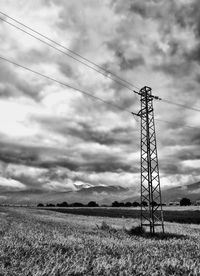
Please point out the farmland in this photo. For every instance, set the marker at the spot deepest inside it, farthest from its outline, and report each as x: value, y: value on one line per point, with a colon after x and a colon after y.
x: 189, y: 214
x: 45, y: 243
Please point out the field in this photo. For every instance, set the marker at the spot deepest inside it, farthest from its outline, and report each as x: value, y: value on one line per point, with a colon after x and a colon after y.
x: 46, y: 243
x: 190, y: 214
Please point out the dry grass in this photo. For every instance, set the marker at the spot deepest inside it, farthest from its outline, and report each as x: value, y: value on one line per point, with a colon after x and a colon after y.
x: 39, y: 242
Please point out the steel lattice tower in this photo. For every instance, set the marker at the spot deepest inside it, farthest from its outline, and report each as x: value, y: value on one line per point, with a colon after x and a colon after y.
x: 151, y: 202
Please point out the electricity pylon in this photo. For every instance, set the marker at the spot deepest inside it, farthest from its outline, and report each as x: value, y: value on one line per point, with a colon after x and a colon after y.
x: 151, y: 201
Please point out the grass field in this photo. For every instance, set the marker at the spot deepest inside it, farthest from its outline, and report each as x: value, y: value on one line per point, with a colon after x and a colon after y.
x: 189, y: 214
x: 45, y: 243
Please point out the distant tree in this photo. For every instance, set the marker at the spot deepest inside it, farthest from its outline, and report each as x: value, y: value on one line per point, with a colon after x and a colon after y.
x: 144, y: 203
x: 93, y: 204
x: 185, y: 202
x: 77, y: 204
x: 121, y: 204
x: 50, y: 205
x: 128, y: 204
x: 63, y: 204
x: 115, y: 204
x: 135, y: 204
x: 40, y: 205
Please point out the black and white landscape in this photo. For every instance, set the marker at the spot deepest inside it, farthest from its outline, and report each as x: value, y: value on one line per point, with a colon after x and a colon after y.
x: 70, y: 74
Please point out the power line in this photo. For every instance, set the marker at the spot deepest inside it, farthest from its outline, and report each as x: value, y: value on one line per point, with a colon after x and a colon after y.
x: 106, y: 73
x: 66, y: 48
x: 181, y: 105
x: 65, y: 84
x: 176, y: 124
x: 84, y: 92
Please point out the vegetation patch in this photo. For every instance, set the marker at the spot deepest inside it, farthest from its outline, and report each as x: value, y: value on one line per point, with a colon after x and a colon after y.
x: 191, y: 216
x: 40, y: 242
x: 136, y: 231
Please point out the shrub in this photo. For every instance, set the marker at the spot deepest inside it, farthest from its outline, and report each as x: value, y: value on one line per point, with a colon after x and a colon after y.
x: 77, y: 204
x: 115, y: 204
x: 50, y: 205
x: 63, y: 204
x: 185, y: 202
x: 104, y: 226
x: 93, y: 204
x: 128, y: 204
x: 136, y: 231
x: 135, y: 204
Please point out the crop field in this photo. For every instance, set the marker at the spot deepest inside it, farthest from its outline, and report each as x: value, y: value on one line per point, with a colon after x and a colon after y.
x: 46, y: 243
x: 189, y: 214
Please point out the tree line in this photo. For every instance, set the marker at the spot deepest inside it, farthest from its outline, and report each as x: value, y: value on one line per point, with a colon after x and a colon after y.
x: 183, y: 202
x: 91, y: 204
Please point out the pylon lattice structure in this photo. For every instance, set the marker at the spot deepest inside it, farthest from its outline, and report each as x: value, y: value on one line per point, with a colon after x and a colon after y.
x: 151, y: 201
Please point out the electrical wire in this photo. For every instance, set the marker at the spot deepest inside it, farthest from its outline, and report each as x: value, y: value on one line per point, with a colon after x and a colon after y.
x: 181, y: 105
x: 71, y: 51
x: 176, y: 124
x: 84, y: 92
x: 65, y: 84
x: 106, y: 73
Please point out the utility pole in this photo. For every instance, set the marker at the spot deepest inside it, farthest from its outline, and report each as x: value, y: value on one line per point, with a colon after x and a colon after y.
x: 151, y: 201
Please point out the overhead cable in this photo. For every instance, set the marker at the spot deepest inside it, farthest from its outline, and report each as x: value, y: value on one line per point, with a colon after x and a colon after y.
x: 105, y: 72
x: 83, y: 91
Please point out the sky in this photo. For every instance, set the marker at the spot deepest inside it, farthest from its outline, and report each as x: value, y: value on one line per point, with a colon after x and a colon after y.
x: 56, y: 142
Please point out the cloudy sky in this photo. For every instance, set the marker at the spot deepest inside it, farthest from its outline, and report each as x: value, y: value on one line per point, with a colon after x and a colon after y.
x: 55, y: 141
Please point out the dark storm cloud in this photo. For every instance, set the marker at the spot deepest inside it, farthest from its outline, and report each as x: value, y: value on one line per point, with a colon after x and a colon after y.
x: 180, y: 135
x: 178, y: 13
x: 66, y: 69
x: 128, y: 63
x: 13, y: 153
x: 173, y: 19
x: 90, y: 161
x: 189, y: 154
x: 87, y: 132
x: 79, y: 143
x: 14, y: 86
x: 195, y: 138
x: 35, y: 56
x: 175, y: 68
x: 169, y: 168
x: 107, y: 164
x: 31, y: 182
x: 177, y: 167
x: 93, y: 160
x: 193, y: 17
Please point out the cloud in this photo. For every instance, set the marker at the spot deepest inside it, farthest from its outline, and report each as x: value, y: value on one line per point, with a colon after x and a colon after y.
x: 11, y: 184
x: 54, y: 140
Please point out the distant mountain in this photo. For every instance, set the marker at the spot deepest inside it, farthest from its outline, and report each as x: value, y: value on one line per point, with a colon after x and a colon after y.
x: 102, y: 189
x: 102, y: 194
x: 192, y: 191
